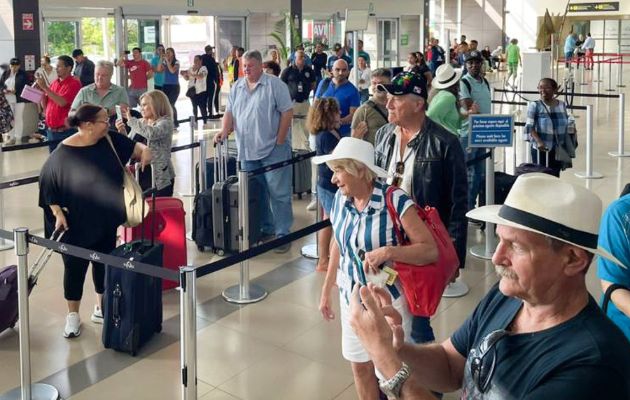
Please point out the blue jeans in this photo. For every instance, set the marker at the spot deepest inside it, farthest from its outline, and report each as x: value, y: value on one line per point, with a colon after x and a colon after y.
x: 50, y: 135
x: 475, y: 173
x: 276, y: 212
x: 421, y: 331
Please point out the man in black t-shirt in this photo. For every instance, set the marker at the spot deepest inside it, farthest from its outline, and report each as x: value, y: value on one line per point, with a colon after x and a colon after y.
x: 538, y: 334
x: 300, y: 79
x: 319, y: 59
x: 212, y: 80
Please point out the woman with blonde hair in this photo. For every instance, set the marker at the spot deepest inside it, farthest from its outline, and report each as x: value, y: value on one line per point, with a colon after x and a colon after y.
x: 365, y: 243
x: 323, y: 121
x: 156, y: 126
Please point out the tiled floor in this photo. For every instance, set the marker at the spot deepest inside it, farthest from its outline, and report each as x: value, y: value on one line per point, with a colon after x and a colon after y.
x: 277, y: 349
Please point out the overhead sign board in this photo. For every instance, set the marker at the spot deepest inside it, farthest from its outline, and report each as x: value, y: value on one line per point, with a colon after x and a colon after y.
x: 594, y: 7
x: 490, y: 130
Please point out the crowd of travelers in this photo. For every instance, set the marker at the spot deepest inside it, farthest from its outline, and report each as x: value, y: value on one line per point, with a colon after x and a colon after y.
x: 385, y: 144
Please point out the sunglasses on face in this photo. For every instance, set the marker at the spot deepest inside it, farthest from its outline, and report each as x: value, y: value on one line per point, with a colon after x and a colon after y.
x: 483, y: 364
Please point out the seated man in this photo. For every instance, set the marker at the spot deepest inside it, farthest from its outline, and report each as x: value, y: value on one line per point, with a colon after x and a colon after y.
x: 538, y: 334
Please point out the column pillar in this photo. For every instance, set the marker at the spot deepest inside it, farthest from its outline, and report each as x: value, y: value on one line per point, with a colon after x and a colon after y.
x: 26, y: 30
x: 424, y: 30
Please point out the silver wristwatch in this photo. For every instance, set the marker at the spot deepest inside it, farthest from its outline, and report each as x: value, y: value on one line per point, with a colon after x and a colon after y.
x: 391, y: 387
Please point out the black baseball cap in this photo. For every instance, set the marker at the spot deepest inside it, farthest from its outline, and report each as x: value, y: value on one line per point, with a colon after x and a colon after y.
x: 474, y: 55
x: 406, y: 83
x: 14, y: 61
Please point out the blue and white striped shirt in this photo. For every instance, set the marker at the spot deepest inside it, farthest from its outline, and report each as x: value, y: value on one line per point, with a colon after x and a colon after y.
x: 545, y: 120
x: 365, y: 230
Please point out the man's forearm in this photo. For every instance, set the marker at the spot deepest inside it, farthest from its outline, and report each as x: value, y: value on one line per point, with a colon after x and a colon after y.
x: 430, y: 368
x: 227, y: 124
x: 285, y: 123
x: 59, y: 100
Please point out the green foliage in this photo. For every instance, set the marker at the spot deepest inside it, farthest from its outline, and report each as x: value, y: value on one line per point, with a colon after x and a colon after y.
x: 280, y: 32
x: 61, y: 37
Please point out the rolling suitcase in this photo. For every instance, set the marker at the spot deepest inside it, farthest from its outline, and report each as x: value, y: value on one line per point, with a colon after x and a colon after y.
x: 301, y: 175
x: 170, y: 230
x: 9, y: 286
x: 210, y: 175
x: 526, y: 168
x: 132, y: 302
x: 225, y: 210
x: 202, y: 220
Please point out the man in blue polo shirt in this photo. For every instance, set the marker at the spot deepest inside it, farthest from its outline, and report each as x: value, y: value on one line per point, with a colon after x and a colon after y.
x: 339, y: 54
x: 345, y: 92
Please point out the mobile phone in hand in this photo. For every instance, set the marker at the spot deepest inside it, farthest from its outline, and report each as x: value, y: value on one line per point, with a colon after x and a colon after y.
x: 119, y: 112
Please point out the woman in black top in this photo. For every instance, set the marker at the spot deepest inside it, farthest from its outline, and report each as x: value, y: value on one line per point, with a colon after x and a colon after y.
x: 81, y: 192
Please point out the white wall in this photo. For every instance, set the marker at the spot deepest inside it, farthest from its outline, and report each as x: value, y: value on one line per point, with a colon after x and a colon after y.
x: 481, y: 20
x: 260, y: 26
x: 409, y: 25
x: 7, y: 37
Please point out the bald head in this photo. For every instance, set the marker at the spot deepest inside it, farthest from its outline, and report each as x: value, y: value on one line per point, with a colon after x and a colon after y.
x: 340, y: 71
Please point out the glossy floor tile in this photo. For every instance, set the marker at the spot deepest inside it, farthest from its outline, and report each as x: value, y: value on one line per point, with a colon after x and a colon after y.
x: 277, y: 349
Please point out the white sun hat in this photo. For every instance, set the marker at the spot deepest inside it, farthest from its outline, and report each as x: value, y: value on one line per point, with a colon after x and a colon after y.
x: 353, y: 149
x: 446, y: 76
x: 544, y: 204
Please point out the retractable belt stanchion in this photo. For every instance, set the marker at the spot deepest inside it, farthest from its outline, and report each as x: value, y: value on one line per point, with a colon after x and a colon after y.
x: 188, y: 331
x: 191, y: 194
x: 620, y: 73
x: 621, y: 134
x: 4, y: 244
x: 598, y: 62
x: 26, y: 391
x: 610, y: 88
x: 486, y: 250
x: 589, y: 173
x: 312, y: 250
x: 244, y: 292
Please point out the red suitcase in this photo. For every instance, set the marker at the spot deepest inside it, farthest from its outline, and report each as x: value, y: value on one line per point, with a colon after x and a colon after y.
x: 170, y: 230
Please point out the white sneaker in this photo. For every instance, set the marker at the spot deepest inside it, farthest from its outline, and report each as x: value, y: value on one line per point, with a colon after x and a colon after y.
x: 73, y: 325
x: 97, y: 315
x: 312, y: 206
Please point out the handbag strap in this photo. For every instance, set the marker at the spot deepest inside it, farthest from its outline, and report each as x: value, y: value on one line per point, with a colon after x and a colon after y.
x: 389, y: 201
x: 608, y: 295
x: 109, y: 140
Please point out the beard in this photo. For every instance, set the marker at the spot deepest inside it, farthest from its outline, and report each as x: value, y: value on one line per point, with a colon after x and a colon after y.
x: 505, y: 272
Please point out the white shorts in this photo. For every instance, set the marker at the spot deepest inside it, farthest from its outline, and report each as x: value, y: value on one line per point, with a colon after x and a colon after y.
x: 351, y: 348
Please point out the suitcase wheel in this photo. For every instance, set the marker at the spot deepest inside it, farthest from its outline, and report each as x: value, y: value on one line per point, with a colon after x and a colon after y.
x: 200, y: 248
x: 299, y: 195
x: 220, y: 252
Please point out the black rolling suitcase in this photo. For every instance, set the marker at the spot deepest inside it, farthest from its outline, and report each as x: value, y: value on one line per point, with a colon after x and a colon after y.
x: 210, y: 174
x: 202, y: 220
x: 225, y: 210
x: 526, y: 168
x: 301, y: 175
x: 132, y: 302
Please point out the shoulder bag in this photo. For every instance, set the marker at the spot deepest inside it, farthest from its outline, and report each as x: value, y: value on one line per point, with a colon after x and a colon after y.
x: 424, y: 284
x: 134, y: 207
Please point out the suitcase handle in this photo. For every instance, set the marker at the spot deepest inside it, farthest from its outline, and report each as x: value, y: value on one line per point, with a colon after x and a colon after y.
x: 117, y: 294
x: 43, y: 257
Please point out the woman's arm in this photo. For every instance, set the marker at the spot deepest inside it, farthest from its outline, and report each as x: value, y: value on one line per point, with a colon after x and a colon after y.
x: 60, y: 217
x: 421, y: 251
x: 330, y: 281
x: 143, y: 153
x: 173, y: 67
x: 621, y: 297
x: 162, y: 129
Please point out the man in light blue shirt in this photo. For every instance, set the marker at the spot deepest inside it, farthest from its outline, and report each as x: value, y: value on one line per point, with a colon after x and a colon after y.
x: 569, y: 48
x: 259, y: 112
x: 614, y: 236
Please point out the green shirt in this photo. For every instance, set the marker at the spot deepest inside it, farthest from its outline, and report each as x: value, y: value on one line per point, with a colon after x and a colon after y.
x: 444, y: 110
x: 513, y: 54
x: 116, y: 95
x: 374, y: 119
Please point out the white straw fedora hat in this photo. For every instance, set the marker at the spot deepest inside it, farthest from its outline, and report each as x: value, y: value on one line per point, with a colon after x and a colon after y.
x: 545, y: 204
x: 353, y: 149
x: 446, y: 76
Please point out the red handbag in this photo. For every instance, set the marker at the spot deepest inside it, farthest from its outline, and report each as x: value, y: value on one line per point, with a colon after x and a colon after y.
x: 424, y: 284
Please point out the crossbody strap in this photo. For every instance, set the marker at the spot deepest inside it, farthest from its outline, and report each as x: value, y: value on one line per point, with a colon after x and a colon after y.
x: 378, y: 110
x: 109, y: 140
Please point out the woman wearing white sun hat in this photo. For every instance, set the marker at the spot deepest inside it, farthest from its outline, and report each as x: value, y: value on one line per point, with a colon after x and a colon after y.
x: 365, y: 242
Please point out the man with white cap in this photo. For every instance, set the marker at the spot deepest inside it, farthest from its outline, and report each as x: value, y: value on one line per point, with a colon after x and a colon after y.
x: 538, y: 334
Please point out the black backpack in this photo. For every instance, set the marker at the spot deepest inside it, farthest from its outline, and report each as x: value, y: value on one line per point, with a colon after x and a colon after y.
x: 465, y: 81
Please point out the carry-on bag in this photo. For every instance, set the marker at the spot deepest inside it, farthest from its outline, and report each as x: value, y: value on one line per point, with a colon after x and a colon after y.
x: 225, y: 210
x: 210, y: 175
x: 301, y: 174
x: 132, y: 302
x: 9, y: 285
x: 526, y: 168
x: 170, y: 230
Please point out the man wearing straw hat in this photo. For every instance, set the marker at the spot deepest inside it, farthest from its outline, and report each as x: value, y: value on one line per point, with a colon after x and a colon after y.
x: 538, y: 334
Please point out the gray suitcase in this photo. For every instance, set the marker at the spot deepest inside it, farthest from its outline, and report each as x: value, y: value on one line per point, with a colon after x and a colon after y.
x: 302, y: 175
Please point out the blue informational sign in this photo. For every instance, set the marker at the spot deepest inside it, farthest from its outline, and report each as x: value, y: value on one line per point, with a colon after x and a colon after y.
x: 488, y: 130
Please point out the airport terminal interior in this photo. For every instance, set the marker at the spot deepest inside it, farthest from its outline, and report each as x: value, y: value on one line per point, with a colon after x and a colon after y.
x: 281, y: 348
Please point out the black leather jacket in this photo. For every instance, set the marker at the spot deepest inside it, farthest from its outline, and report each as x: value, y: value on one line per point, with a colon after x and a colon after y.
x: 439, y: 175
x: 20, y: 82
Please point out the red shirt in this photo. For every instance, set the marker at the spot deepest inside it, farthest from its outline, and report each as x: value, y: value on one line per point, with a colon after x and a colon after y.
x: 68, y: 89
x: 138, y: 73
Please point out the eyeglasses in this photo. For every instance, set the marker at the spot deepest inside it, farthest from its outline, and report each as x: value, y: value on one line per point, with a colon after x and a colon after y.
x: 483, y: 364
x: 102, y: 122
x: 398, y: 173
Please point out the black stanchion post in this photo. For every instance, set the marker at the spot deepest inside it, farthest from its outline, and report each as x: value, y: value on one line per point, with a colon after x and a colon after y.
x: 37, y: 391
x: 188, y: 331
x: 244, y: 292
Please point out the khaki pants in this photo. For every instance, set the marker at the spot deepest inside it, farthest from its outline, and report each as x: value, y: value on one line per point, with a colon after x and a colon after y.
x: 299, y: 133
